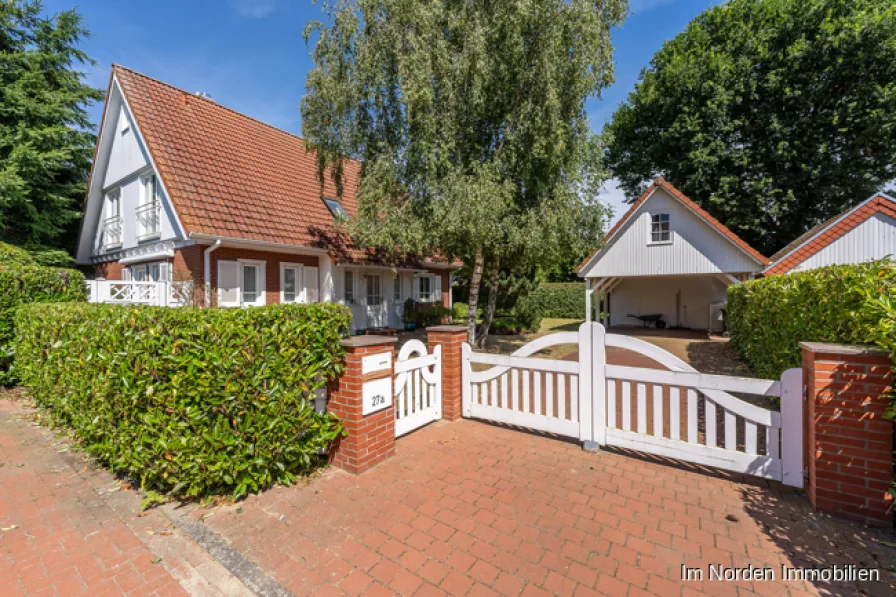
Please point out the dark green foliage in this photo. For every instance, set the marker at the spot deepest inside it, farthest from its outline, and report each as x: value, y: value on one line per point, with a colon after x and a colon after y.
x: 189, y: 401
x: 769, y: 317
x: 527, y: 314
x: 46, y: 138
x: 774, y: 115
x: 565, y: 300
x: 23, y: 284
x: 424, y: 314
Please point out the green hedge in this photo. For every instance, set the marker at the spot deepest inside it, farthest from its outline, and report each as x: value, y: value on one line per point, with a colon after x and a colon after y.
x: 564, y: 300
x: 187, y: 401
x: 769, y: 317
x: 11, y: 255
x: 22, y: 284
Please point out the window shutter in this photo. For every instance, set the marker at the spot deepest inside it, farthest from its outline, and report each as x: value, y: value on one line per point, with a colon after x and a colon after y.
x: 126, y: 274
x: 228, y: 284
x: 311, y: 283
x: 164, y: 272
x: 437, y: 289
x: 416, y: 283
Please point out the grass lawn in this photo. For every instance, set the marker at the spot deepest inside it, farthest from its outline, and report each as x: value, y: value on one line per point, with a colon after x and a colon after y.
x: 509, y: 343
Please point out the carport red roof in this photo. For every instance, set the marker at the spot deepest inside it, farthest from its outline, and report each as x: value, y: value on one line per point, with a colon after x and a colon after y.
x: 660, y: 182
x: 230, y: 175
x: 824, y: 234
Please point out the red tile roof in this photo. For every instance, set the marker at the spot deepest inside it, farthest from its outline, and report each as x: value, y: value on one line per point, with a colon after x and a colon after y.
x: 661, y: 182
x: 233, y: 176
x: 823, y: 235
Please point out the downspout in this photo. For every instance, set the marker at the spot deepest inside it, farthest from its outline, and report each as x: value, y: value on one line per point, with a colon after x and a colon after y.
x: 207, y: 270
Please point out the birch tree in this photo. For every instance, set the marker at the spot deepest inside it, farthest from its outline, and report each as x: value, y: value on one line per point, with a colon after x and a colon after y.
x: 469, y: 121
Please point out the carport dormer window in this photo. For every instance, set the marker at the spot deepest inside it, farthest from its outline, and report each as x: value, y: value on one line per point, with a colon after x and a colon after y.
x: 660, y: 229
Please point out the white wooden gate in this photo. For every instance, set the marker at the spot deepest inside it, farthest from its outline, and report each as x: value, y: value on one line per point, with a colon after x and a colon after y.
x: 418, y: 387
x: 677, y: 412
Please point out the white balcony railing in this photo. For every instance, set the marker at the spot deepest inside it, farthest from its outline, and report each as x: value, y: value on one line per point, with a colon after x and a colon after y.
x: 149, y: 221
x: 161, y: 294
x: 111, y: 233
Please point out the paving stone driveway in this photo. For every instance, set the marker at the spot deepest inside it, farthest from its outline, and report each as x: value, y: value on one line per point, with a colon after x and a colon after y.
x: 67, y: 529
x: 472, y: 509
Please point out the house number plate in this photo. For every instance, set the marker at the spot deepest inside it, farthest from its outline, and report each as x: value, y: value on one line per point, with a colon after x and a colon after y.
x: 376, y: 362
x: 377, y: 395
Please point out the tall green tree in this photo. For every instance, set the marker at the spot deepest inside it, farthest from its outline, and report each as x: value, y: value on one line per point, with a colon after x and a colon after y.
x: 773, y: 115
x: 469, y: 120
x: 46, y: 138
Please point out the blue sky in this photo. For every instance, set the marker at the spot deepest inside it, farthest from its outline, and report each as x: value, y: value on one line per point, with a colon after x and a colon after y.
x: 250, y: 54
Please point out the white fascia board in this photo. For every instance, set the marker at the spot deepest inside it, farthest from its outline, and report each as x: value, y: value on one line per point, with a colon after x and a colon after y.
x: 181, y: 231
x: 608, y: 242
x: 259, y: 245
x: 826, y: 228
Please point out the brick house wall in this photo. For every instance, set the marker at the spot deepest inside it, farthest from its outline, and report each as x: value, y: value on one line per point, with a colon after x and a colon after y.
x: 188, y: 263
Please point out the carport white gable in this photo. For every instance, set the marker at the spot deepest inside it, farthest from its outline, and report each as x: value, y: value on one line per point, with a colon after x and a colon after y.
x: 668, y: 257
x: 695, y: 247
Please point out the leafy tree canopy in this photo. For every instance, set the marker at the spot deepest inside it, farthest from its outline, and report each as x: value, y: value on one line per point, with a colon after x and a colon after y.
x: 46, y: 141
x: 469, y: 120
x: 773, y: 115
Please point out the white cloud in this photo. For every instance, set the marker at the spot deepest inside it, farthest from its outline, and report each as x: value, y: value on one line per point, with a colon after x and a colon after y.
x: 254, y: 9
x: 613, y: 197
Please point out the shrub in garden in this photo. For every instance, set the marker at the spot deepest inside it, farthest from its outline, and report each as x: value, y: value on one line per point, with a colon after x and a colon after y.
x: 565, y: 300
x: 20, y: 284
x: 460, y: 312
x: 527, y: 313
x: 424, y: 314
x: 188, y: 401
x: 11, y: 255
x: 769, y: 317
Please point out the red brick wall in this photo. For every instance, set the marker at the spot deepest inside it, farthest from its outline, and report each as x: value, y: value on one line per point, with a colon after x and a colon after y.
x: 849, y: 442
x: 272, y: 267
x: 370, y: 439
x: 109, y: 271
x: 450, y: 338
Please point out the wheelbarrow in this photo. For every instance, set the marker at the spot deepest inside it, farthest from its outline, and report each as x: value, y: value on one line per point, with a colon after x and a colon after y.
x: 656, y: 320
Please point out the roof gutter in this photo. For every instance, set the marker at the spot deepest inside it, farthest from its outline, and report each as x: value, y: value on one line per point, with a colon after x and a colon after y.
x: 258, y: 245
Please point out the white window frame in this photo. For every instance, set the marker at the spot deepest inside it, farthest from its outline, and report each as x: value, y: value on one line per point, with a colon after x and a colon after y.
x: 261, y: 299
x: 659, y: 214
x: 300, y: 282
x: 149, y: 201
x: 349, y: 275
x: 145, y: 270
x: 435, y: 291
x: 396, y: 288
x: 368, y: 277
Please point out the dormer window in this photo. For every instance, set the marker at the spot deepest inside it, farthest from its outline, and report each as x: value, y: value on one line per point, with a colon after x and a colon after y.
x: 336, y: 209
x: 660, y: 229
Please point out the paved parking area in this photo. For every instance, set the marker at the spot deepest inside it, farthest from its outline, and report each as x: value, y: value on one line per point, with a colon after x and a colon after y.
x: 468, y: 508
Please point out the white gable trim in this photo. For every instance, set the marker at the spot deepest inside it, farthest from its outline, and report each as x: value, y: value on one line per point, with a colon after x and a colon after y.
x: 181, y: 232
x: 583, y: 273
x: 118, y: 103
x: 825, y: 229
x: 608, y: 242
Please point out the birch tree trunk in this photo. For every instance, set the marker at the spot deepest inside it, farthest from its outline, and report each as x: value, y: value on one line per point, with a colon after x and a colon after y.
x: 494, y: 270
x: 475, y: 281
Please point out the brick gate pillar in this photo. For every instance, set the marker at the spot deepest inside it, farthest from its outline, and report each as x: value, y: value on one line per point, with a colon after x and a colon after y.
x: 362, y: 399
x: 849, y: 442
x: 450, y: 338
